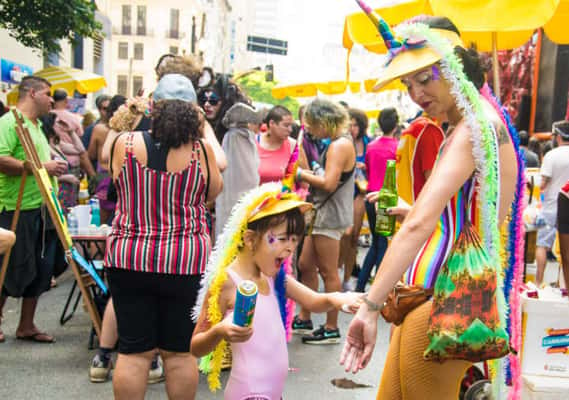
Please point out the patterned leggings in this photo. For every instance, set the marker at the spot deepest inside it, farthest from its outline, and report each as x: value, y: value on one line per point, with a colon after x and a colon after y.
x: 406, y: 376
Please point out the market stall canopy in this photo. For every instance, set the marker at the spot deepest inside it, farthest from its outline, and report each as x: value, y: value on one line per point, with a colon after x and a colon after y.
x: 556, y: 29
x: 512, y: 21
x: 329, y: 88
x: 70, y: 79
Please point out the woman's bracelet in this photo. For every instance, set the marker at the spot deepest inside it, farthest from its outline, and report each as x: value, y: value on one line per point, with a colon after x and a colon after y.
x: 299, y: 173
x: 373, y: 307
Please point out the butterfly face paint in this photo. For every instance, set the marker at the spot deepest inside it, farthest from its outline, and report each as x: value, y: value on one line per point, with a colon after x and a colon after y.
x: 271, y: 238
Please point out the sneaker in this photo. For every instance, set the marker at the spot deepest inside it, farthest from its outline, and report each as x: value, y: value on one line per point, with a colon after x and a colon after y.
x: 301, y: 327
x: 349, y: 286
x: 156, y: 373
x: 323, y: 336
x: 100, y: 369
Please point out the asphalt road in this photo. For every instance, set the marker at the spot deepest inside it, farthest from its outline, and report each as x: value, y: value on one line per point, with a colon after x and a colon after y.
x: 30, y: 371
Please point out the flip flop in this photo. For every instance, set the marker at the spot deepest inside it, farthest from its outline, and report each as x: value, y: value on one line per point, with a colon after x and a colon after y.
x: 38, y: 337
x: 2, y: 337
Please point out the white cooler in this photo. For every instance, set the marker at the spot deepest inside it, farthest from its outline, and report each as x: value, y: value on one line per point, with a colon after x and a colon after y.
x: 545, y: 388
x: 545, y: 332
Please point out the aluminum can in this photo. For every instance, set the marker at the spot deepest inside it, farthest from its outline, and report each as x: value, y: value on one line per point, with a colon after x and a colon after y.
x: 245, y: 301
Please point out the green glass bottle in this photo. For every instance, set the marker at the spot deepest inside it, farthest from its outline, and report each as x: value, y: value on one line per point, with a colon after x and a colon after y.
x: 385, y: 223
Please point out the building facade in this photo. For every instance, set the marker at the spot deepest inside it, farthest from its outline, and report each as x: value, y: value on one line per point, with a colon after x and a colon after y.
x: 143, y: 31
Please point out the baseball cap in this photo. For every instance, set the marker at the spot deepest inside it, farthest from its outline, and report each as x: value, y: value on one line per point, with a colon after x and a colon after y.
x: 175, y: 87
x: 561, y: 128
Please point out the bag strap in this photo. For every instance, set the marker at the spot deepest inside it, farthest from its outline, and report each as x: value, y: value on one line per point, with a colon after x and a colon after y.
x: 112, y: 151
x: 206, y: 166
x: 330, y: 195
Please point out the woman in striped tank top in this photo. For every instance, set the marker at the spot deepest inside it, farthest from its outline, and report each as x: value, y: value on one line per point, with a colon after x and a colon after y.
x: 159, y: 244
x: 443, y: 78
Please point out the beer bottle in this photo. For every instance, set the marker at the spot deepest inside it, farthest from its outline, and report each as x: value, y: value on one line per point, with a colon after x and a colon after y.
x: 385, y: 223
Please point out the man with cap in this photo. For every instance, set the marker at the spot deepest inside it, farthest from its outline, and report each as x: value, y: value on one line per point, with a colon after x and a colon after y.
x: 554, y: 174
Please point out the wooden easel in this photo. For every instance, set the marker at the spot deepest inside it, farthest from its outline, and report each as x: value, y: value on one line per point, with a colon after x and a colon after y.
x: 55, y: 213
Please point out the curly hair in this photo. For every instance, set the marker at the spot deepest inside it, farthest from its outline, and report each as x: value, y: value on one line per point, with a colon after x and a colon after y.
x: 188, y: 66
x: 327, y: 114
x: 176, y: 122
x: 123, y: 118
x: 361, y: 120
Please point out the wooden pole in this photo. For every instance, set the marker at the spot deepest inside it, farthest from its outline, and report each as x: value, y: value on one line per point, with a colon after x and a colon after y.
x: 535, y: 82
x: 13, y: 227
x: 495, y: 64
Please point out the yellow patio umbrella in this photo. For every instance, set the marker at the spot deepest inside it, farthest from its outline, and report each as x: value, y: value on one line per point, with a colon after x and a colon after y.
x: 70, y: 79
x: 490, y: 25
x: 329, y: 88
x: 496, y: 22
x: 555, y: 29
x: 311, y: 89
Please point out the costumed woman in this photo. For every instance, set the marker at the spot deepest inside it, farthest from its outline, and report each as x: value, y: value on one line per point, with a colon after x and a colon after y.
x: 476, y: 182
x: 262, y: 233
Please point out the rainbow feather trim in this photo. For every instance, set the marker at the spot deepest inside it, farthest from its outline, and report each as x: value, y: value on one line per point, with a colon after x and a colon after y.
x: 515, y: 246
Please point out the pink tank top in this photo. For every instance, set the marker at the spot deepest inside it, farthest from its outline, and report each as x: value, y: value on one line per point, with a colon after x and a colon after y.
x: 260, y: 365
x: 273, y: 163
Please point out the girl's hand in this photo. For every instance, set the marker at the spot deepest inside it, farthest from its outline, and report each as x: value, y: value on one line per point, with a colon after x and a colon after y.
x: 234, y: 333
x: 360, y: 340
x: 348, y: 302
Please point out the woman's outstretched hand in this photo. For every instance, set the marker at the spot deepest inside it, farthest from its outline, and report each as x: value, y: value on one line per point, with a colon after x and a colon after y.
x: 360, y: 340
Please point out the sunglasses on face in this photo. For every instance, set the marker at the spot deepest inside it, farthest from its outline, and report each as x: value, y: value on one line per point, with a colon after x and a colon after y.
x: 210, y: 98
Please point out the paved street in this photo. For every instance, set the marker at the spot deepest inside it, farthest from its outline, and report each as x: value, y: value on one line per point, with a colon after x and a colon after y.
x: 32, y: 371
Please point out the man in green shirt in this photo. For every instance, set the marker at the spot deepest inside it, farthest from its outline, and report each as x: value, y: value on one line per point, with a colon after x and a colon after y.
x: 31, y: 262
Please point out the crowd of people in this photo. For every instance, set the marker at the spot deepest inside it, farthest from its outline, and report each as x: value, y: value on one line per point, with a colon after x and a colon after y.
x: 196, y: 186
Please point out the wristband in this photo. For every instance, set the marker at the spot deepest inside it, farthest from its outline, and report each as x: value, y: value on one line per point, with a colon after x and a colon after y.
x: 298, y: 173
x: 373, y: 307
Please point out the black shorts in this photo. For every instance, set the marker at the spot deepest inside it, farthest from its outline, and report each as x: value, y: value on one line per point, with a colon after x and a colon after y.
x: 153, y: 310
x: 33, y: 256
x: 563, y: 213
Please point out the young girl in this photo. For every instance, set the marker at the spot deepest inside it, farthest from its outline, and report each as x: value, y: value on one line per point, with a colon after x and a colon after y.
x: 261, y: 234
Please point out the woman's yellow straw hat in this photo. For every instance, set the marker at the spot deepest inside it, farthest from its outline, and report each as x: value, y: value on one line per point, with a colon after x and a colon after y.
x: 404, y: 56
x: 278, y: 205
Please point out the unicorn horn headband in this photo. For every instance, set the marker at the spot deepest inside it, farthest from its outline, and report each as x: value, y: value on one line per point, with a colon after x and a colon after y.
x: 405, y: 55
x: 383, y: 27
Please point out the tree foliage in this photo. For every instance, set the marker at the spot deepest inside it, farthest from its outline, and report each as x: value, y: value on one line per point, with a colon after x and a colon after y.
x: 259, y: 90
x: 40, y: 24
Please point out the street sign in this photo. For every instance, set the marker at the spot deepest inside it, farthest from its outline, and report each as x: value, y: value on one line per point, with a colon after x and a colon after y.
x: 260, y: 44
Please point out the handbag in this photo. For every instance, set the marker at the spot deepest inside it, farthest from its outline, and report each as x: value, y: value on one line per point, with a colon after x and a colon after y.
x: 402, y: 300
x: 464, y: 323
x: 310, y: 215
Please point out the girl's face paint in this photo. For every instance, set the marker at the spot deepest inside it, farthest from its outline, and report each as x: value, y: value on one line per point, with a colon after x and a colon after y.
x: 271, y: 238
x: 275, y: 247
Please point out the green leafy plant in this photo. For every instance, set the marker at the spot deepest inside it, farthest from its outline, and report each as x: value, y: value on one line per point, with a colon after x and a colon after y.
x: 42, y: 24
x: 259, y: 90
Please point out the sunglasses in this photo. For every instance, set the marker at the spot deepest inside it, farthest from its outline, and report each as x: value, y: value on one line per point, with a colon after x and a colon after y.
x: 210, y: 98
